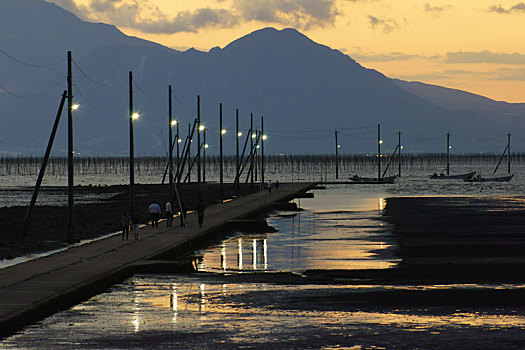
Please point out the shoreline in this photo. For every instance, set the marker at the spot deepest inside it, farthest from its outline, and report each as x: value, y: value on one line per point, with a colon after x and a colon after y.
x: 48, y: 229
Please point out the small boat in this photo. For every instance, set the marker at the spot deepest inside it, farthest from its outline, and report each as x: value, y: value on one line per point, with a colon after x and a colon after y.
x: 478, y: 178
x: 442, y: 176
x: 373, y: 180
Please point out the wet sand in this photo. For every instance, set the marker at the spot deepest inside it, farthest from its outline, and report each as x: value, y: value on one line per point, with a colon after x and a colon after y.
x: 48, y: 230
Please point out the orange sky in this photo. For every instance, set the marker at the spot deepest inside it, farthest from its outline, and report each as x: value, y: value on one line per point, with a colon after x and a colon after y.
x: 475, y: 46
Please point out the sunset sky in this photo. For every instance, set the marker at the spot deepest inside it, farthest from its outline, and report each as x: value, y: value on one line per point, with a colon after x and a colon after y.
x: 477, y: 46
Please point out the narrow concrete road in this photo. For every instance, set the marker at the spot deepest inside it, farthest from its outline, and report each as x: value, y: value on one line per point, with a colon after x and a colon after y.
x: 35, y: 289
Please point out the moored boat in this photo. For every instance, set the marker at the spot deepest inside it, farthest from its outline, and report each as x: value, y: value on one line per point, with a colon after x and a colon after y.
x: 478, y: 178
x: 442, y: 176
x: 386, y: 179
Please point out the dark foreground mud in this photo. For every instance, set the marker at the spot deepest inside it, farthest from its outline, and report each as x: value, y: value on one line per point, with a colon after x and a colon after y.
x: 48, y: 230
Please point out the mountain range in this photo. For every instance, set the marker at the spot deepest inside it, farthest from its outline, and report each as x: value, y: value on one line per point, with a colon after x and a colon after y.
x: 304, y: 90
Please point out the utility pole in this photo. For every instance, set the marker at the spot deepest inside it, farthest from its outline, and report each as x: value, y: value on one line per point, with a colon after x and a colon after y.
x: 508, y: 154
x: 199, y: 142
x: 70, y: 154
x: 448, y: 153
x: 189, y: 152
x: 237, y: 135
x: 178, y: 149
x: 251, y: 149
x: 256, y: 154
x: 336, y: 157
x: 27, y: 218
x: 221, y: 167
x: 131, y: 148
x: 379, y: 152
x: 204, y: 146
x: 262, y: 149
x: 399, y: 154
x: 170, y: 143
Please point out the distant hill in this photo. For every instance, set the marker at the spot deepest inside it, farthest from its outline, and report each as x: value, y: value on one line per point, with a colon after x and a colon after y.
x: 303, y: 89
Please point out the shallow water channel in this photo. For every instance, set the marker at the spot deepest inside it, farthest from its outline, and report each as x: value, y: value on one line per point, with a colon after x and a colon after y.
x: 340, y: 228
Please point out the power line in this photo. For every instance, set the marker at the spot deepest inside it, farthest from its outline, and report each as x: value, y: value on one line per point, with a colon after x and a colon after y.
x: 143, y: 93
x: 34, y: 95
x: 87, y: 101
x: 89, y: 78
x: 29, y: 64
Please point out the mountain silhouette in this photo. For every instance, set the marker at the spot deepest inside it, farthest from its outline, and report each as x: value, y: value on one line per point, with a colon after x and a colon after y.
x: 303, y: 89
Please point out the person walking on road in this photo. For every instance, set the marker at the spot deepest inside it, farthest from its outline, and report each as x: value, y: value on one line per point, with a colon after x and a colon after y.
x: 169, y: 214
x: 269, y: 186
x: 135, y: 223
x: 124, y: 225
x: 200, y: 211
x: 154, y: 212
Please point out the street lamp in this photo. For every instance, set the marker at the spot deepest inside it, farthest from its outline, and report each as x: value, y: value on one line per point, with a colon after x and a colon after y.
x: 75, y: 106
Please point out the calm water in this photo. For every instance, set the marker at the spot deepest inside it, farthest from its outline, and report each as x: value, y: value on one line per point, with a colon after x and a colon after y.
x: 341, y: 228
x: 174, y: 312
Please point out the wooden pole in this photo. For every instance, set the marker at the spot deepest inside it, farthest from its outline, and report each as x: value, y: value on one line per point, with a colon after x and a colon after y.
x: 379, y: 152
x: 336, y: 156
x: 237, y: 135
x: 178, y: 148
x: 70, y: 154
x: 508, y: 153
x: 448, y: 153
x: 204, y: 146
x: 262, y: 150
x: 221, y: 166
x: 251, y: 149
x: 199, y: 142
x: 399, y: 154
x: 170, y: 143
x: 27, y: 218
x: 131, y: 148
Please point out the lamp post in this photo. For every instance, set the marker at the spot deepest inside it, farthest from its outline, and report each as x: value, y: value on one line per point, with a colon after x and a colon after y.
x: 205, y: 145
x: 132, y: 116
x: 221, y: 166
x: 337, y: 146
x: 171, y: 123
x: 237, y: 135
x: 70, y: 150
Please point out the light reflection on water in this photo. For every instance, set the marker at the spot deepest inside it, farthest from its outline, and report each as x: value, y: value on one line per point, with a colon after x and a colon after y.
x: 161, y: 311
x: 340, y: 228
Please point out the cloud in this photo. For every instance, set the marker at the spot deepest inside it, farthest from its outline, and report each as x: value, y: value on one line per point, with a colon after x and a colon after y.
x: 142, y: 15
x: 436, y: 9
x: 388, y: 24
x: 518, y: 8
x: 508, y: 74
x: 302, y: 14
x: 484, y: 57
x: 386, y: 57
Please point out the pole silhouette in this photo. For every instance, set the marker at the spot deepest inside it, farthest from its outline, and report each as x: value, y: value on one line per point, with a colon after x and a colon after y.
x: 221, y: 167
x: 27, y: 218
x: 336, y: 156
x: 378, y: 152
x: 399, y: 154
x: 170, y: 142
x: 448, y: 153
x: 237, y: 135
x: 70, y: 154
x: 131, y: 148
x: 199, y: 141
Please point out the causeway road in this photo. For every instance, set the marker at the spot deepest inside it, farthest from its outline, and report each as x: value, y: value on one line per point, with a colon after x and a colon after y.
x: 35, y: 289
